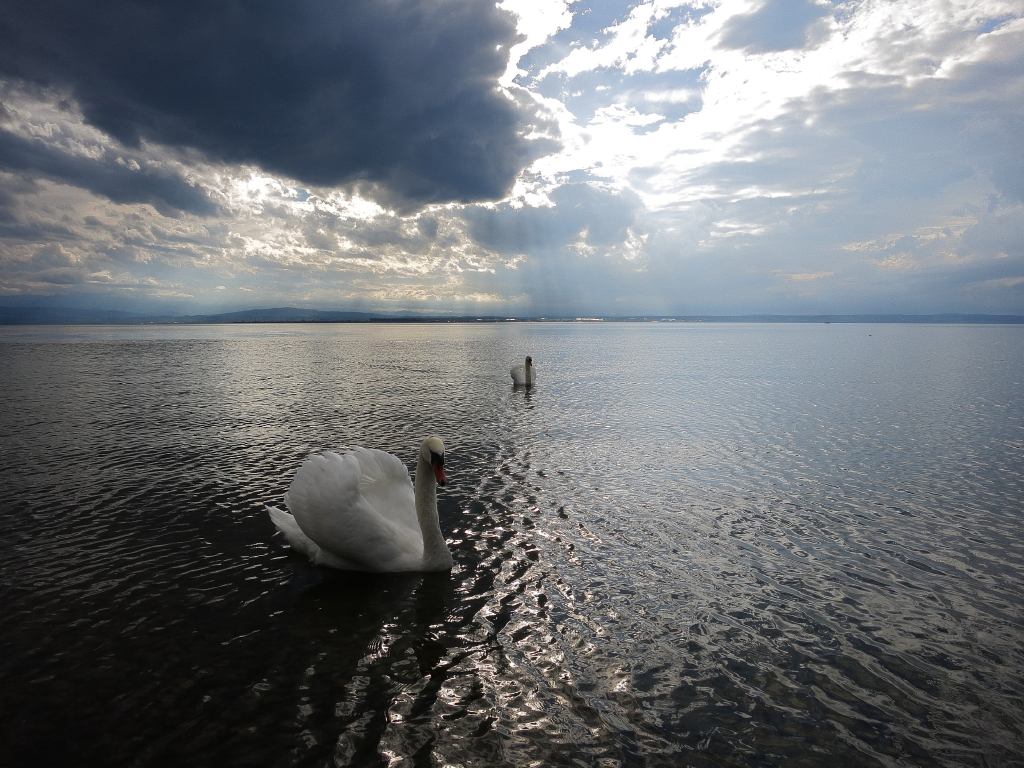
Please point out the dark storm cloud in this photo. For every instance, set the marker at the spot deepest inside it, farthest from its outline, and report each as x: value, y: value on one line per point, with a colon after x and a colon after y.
x: 396, y: 95
x: 7, y: 205
x: 165, y: 191
x: 15, y: 227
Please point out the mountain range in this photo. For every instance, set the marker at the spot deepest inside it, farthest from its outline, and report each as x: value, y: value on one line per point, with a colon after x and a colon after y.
x: 81, y: 316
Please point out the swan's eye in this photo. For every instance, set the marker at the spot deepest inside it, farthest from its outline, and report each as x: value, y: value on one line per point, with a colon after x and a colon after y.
x: 437, y: 458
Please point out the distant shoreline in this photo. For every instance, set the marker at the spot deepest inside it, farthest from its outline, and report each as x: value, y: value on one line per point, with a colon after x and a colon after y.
x: 53, y: 316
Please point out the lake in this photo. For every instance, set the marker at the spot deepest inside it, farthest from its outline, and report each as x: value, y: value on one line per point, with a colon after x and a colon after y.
x: 699, y: 544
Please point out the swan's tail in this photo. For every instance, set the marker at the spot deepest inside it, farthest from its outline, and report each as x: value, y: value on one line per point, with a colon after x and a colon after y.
x: 299, y: 541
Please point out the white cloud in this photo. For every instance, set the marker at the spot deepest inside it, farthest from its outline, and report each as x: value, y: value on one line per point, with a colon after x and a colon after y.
x: 897, y: 261
x: 806, y: 277
x: 536, y: 21
x: 1005, y: 282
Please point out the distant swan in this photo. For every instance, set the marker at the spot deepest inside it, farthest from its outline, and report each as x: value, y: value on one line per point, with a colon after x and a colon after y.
x: 523, y: 375
x: 358, y: 511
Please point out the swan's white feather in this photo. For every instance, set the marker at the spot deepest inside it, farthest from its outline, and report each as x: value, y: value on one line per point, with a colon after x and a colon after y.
x: 355, y: 511
x: 300, y: 542
x: 385, y: 485
x: 292, y: 533
x: 518, y: 373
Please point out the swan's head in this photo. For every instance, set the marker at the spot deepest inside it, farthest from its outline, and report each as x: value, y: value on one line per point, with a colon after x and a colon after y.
x: 432, y: 451
x: 529, y: 361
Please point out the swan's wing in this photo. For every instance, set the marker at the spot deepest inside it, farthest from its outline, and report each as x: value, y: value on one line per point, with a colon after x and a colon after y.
x: 518, y: 374
x: 326, y: 499
x: 385, y: 485
x: 300, y: 542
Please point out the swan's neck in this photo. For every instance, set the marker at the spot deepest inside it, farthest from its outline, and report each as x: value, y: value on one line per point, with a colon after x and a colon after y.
x: 436, y: 556
x: 528, y: 373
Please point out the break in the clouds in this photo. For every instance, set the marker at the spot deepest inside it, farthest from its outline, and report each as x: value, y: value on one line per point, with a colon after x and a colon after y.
x: 536, y: 157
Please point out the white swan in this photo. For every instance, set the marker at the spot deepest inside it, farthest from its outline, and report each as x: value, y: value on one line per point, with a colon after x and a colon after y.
x: 523, y: 375
x: 359, y: 511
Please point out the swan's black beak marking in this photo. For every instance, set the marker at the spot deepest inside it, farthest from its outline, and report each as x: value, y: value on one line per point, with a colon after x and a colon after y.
x: 437, y: 462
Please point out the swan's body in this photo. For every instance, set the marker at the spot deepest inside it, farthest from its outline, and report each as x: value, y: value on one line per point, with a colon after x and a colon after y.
x: 359, y: 511
x: 524, y: 375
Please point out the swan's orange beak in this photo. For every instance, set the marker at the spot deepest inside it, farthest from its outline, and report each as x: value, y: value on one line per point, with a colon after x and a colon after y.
x: 438, y: 465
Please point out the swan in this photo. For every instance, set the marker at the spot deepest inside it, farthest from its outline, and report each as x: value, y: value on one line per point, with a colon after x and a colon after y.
x: 523, y: 374
x: 358, y: 511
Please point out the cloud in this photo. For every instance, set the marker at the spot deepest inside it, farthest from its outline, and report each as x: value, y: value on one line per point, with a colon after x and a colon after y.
x: 122, y: 182
x: 1006, y: 282
x: 719, y: 158
x: 581, y: 213
x: 900, y: 260
x: 805, y: 277
x: 778, y: 25
x: 397, y: 97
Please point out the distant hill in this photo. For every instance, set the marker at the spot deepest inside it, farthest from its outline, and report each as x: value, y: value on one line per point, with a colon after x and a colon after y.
x: 281, y: 315
x: 77, y: 316
x: 71, y: 316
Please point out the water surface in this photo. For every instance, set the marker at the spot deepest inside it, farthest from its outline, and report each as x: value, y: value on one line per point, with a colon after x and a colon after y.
x: 699, y: 545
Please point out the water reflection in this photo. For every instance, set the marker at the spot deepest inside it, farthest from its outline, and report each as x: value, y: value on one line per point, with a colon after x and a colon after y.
x: 367, y: 639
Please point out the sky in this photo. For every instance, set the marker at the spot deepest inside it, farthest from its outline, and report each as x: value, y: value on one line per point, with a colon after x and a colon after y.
x: 525, y: 158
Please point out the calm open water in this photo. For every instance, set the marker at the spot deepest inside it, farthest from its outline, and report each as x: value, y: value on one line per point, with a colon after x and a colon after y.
x: 688, y: 545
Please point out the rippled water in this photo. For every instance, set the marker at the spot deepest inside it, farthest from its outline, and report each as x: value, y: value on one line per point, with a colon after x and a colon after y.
x: 688, y: 545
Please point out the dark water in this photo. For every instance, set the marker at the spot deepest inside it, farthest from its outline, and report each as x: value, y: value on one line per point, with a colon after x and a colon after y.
x: 689, y: 545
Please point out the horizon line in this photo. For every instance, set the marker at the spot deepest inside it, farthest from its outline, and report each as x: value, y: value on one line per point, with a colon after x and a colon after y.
x: 28, y: 315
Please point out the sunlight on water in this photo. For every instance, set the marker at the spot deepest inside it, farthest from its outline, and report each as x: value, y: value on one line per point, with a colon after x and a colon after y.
x: 721, y: 545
